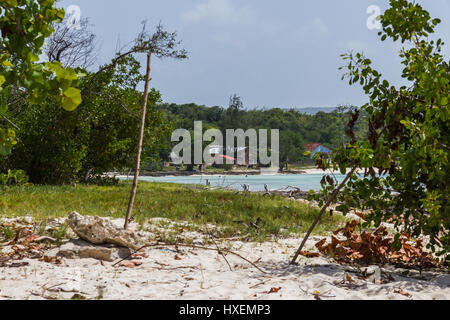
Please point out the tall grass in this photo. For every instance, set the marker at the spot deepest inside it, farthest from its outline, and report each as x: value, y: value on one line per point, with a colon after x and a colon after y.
x: 261, y: 216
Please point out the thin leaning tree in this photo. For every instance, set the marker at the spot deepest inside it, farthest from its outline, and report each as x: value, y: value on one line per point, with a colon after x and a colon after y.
x: 161, y: 44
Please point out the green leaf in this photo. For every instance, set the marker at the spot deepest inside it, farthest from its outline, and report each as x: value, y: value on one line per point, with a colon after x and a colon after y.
x: 444, y: 101
x: 436, y: 21
x: 2, y: 80
x: 71, y: 99
x: 4, y: 150
x: 12, y: 3
x: 7, y: 63
x: 33, y: 57
x: 3, y: 108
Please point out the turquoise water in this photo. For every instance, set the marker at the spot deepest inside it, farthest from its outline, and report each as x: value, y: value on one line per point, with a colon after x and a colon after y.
x: 305, y: 182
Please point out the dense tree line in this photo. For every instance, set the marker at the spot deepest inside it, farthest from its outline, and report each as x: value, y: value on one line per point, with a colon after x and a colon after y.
x: 296, y: 128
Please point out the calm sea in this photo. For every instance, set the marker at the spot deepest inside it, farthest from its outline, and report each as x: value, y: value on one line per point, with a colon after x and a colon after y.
x: 305, y: 182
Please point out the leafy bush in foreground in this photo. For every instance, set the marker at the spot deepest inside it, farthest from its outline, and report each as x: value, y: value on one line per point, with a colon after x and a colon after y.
x: 405, y: 156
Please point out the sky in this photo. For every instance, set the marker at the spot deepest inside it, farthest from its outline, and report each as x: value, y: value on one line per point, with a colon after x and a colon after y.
x: 282, y: 54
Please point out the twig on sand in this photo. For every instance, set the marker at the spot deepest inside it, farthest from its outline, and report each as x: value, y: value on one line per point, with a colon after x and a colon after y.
x: 56, y: 285
x: 175, y: 268
x: 219, y: 250
x: 260, y: 283
x: 190, y: 246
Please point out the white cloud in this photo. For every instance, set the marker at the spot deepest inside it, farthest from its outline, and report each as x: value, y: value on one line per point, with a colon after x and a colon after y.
x: 220, y: 12
x: 314, y: 30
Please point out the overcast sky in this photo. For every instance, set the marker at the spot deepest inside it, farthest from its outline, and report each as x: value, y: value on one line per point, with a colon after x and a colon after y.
x: 272, y: 53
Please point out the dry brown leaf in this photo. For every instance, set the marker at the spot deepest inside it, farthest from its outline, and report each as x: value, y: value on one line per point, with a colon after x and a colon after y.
x: 309, y: 254
x: 54, y: 260
x: 374, y: 247
x: 321, y: 246
x: 128, y: 264
x: 32, y: 237
x: 361, y: 215
x: 403, y: 293
x: 274, y: 290
x: 349, y: 279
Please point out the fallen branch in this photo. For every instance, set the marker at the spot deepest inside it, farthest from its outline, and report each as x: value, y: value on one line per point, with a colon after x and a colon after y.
x: 220, y: 251
x: 176, y: 268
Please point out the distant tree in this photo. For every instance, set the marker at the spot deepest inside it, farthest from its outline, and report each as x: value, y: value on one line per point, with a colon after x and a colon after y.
x: 232, y: 118
x: 235, y: 104
x: 291, y: 148
x: 214, y: 114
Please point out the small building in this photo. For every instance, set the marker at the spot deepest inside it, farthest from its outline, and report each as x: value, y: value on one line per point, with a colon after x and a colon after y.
x: 315, y: 148
x: 222, y: 152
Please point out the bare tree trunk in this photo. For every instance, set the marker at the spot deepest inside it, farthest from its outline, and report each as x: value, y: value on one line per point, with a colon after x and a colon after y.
x: 86, y: 176
x: 140, y: 142
x: 324, y: 208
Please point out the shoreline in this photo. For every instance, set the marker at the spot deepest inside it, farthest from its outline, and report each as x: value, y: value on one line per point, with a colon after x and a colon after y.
x: 225, y: 173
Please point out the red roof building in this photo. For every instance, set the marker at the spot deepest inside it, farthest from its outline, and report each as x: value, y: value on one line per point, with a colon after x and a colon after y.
x: 315, y: 148
x: 312, y: 146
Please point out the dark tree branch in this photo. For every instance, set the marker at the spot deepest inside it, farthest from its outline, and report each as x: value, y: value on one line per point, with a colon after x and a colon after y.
x: 73, y: 47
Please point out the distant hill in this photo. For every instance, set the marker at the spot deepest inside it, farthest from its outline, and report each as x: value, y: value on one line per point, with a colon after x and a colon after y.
x: 313, y: 110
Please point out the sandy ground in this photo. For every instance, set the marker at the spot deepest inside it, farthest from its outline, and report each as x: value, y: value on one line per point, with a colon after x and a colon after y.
x: 165, y: 273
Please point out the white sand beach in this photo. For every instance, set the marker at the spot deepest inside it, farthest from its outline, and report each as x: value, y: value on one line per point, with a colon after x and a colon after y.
x: 163, y: 272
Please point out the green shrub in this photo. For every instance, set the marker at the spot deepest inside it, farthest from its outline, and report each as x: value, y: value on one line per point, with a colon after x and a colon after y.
x: 13, y: 177
x: 405, y: 156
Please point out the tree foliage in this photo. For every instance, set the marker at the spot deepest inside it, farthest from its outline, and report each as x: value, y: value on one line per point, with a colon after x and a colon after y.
x: 405, y: 155
x: 99, y: 136
x: 24, y: 25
